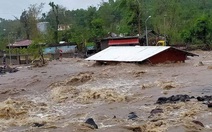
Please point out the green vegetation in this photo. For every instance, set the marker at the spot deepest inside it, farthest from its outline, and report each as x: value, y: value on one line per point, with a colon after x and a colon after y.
x: 183, y: 21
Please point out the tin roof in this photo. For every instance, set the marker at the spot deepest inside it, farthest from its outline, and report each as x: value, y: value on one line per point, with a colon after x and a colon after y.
x: 23, y: 43
x: 130, y: 53
x: 124, y: 41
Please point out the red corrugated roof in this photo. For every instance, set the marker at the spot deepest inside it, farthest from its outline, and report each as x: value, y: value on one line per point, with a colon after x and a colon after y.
x: 124, y: 41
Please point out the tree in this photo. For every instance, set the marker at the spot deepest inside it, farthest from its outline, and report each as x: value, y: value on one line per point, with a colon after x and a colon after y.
x: 55, y: 11
x: 97, y: 28
x: 24, y: 19
x: 36, y: 49
x: 29, y: 19
x: 200, y: 32
x: 133, y: 15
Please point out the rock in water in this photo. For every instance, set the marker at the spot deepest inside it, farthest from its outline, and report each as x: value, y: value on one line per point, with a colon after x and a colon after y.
x: 200, y: 98
x: 91, y: 122
x: 173, y: 99
x: 209, y: 105
x: 38, y: 125
x: 132, y: 116
x: 161, y: 100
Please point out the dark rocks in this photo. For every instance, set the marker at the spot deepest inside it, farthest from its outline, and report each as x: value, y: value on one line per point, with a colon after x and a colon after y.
x: 192, y: 97
x: 204, y: 98
x: 209, y: 105
x: 6, y: 69
x: 162, y: 100
x: 183, y: 98
x: 92, y: 123
x: 132, y: 116
x: 173, y: 99
x: 200, y: 99
x: 2, y: 70
x: 38, y: 124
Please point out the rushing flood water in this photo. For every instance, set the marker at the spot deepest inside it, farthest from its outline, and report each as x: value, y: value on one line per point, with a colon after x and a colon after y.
x: 108, y: 94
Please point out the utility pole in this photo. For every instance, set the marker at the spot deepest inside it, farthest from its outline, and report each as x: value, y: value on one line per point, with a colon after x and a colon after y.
x: 8, y: 39
x: 164, y: 28
x: 139, y: 18
x: 146, y: 30
x: 9, y: 48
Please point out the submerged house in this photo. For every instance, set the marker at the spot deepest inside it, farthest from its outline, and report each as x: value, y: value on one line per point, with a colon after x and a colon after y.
x: 150, y: 54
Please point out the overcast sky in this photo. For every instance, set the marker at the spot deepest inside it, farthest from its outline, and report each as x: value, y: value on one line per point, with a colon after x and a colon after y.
x: 11, y: 8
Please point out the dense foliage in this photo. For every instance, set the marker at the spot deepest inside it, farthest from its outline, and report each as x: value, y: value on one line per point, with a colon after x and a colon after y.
x: 183, y: 21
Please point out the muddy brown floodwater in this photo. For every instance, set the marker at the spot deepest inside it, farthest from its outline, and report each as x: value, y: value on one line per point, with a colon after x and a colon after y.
x: 61, y: 96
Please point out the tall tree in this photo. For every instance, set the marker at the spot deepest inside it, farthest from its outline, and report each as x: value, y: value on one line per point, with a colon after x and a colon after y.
x: 55, y: 9
x: 24, y: 19
x: 133, y: 15
x: 29, y: 19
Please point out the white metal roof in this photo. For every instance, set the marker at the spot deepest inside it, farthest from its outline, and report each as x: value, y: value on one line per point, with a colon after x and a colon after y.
x: 128, y: 53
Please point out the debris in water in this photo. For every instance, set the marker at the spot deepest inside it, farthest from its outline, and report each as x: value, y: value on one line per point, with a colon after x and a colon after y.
x: 38, y: 124
x: 156, y: 111
x: 92, y: 123
x: 138, y: 73
x: 8, y: 69
x: 209, y: 105
x: 209, y: 67
x: 132, y: 116
x: 198, y: 123
x: 193, y: 126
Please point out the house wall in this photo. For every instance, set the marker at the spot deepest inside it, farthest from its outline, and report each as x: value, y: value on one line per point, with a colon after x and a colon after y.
x: 170, y: 55
x: 65, y: 49
x: 104, y: 44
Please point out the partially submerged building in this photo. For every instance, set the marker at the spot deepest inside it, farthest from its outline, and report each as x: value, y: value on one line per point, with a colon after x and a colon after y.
x: 150, y: 54
x: 128, y: 40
